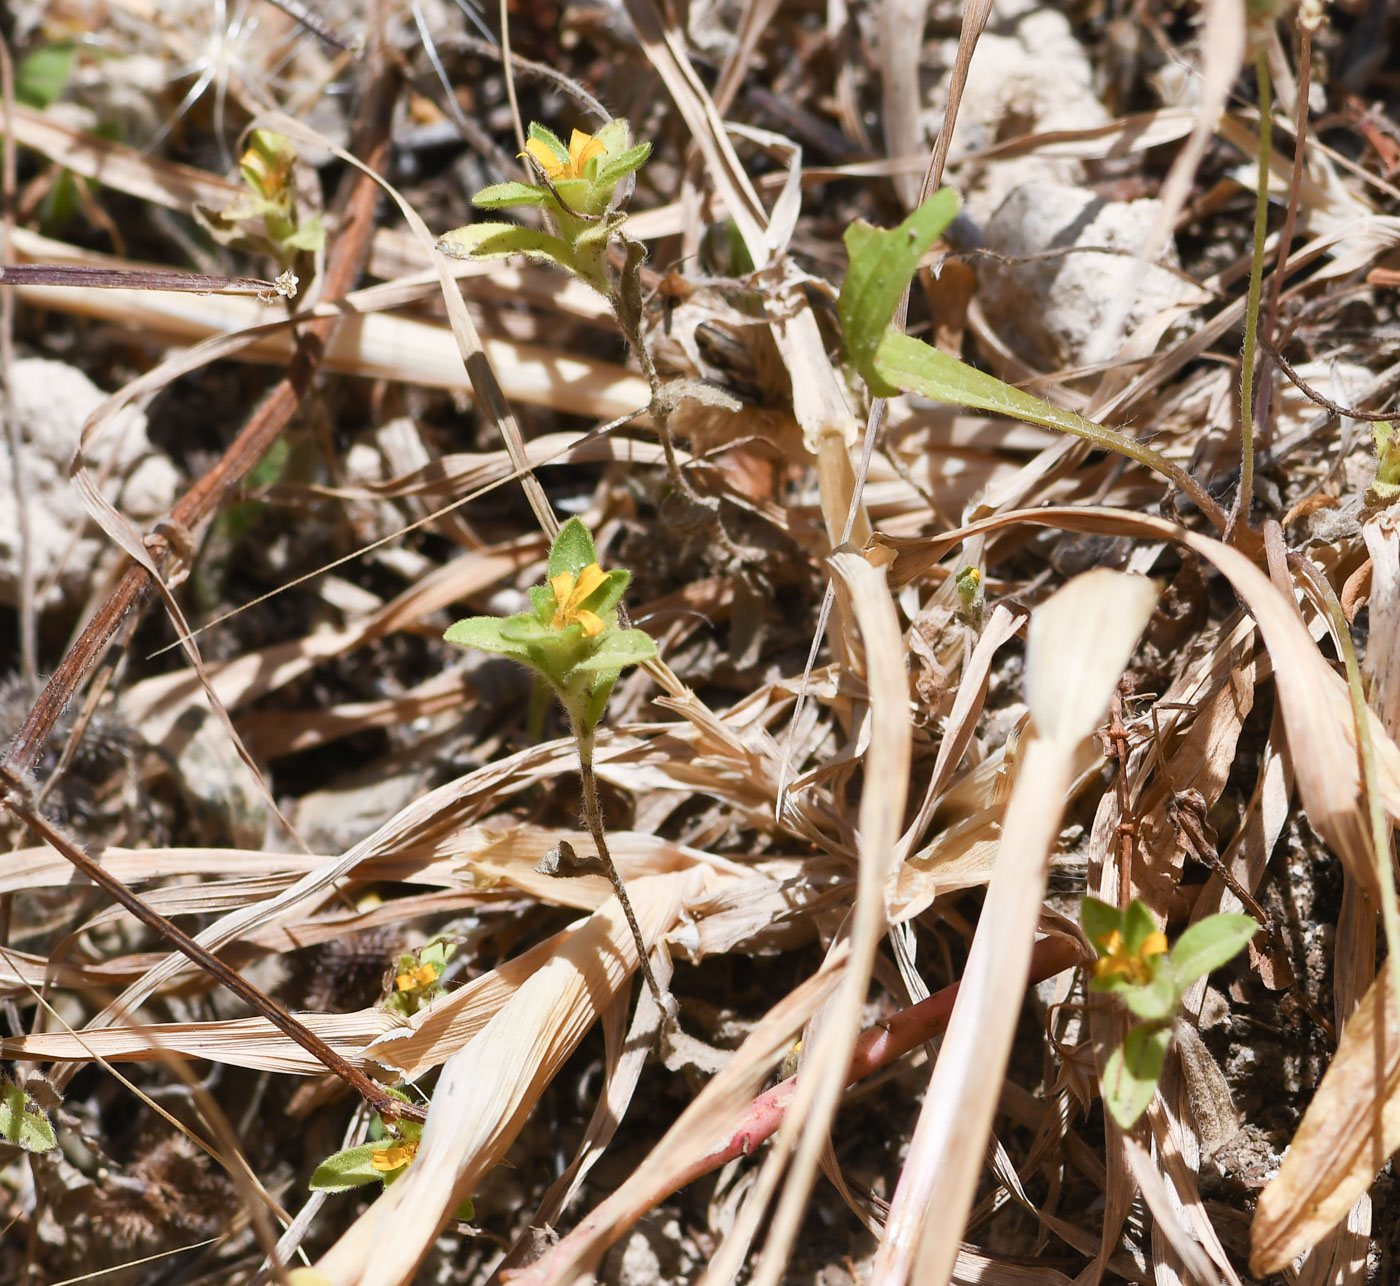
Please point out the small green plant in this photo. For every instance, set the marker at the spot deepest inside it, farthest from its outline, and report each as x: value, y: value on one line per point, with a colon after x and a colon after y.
x: 579, y: 191
x: 265, y: 217
x: 384, y: 1159
x: 1136, y: 965
x: 573, y: 640
x: 414, y: 980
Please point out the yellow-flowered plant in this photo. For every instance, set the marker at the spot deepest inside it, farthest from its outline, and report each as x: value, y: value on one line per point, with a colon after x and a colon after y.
x: 384, y: 1159
x: 574, y: 641
x: 413, y: 979
x: 1136, y: 965
x: 578, y: 191
x: 571, y: 639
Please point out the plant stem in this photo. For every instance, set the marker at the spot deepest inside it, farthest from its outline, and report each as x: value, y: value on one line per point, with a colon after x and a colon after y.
x: 1256, y: 277
x: 593, y: 815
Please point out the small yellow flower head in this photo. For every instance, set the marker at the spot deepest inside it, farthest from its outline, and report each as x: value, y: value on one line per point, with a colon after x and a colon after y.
x: 423, y: 975
x: 394, y: 1157
x: 1117, y: 962
x: 582, y: 149
x: 571, y: 591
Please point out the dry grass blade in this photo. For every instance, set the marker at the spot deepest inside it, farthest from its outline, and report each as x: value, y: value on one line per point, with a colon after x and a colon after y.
x: 1350, y: 1130
x: 488, y: 1088
x: 1080, y: 641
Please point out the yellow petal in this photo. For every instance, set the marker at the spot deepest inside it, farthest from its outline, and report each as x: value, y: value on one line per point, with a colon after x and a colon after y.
x: 563, y: 587
x: 543, y: 154
x: 582, y: 149
x: 1155, y: 945
x: 591, y: 624
x: 404, y: 981
x: 589, y: 579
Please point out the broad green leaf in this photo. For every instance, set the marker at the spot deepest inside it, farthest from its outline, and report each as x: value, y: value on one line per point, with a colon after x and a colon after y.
x: 309, y: 236
x: 549, y: 139
x: 1208, y: 944
x: 881, y: 265
x: 542, y: 600
x: 912, y: 366
x: 497, y: 240
x: 1132, y: 1072
x: 1138, y: 926
x: 43, y: 75
x: 501, y: 196
x: 23, y: 1122
x: 573, y: 549
x: 574, y: 193
x: 618, y: 648
x: 1099, y: 920
x: 345, y: 1170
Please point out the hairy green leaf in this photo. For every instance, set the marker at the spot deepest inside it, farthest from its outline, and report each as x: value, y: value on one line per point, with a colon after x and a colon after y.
x: 502, y: 196
x: 23, y: 1122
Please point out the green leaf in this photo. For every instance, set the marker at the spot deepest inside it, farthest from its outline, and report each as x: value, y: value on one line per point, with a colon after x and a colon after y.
x: 1208, y: 944
x: 881, y: 265
x: 550, y: 140
x: 614, y: 136
x: 489, y: 633
x: 43, y: 75
x: 309, y: 236
x: 618, y: 648
x: 1138, y: 926
x: 497, y: 240
x: 1132, y: 1072
x: 23, y: 1122
x: 345, y: 1170
x: 502, y: 196
x: 912, y: 366
x: 1099, y: 920
x: 573, y: 549
x: 617, y: 168
x: 603, y: 601
x: 1155, y: 1000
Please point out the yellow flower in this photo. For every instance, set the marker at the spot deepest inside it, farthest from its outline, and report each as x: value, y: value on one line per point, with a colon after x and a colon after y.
x: 582, y: 149
x: 1117, y: 962
x: 570, y: 592
x: 393, y: 1157
x: 423, y: 976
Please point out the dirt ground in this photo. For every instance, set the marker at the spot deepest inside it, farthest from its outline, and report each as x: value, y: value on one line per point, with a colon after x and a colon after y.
x: 914, y: 673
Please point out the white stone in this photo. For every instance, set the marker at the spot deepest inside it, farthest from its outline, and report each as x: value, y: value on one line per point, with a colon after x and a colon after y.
x: 52, y: 401
x: 1051, y: 310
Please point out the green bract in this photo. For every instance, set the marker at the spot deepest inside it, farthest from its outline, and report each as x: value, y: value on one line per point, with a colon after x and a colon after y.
x: 571, y: 638
x: 1135, y: 965
x: 579, y: 188
x: 23, y: 1122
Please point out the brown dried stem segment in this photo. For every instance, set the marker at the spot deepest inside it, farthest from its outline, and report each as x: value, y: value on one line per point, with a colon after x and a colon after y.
x: 16, y: 796
x: 345, y: 263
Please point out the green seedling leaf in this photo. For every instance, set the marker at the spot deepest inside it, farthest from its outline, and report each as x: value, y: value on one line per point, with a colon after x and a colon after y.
x: 351, y: 1168
x: 502, y: 196
x: 1208, y: 944
x: 1132, y: 1072
x: 23, y: 1123
x: 1099, y: 920
x: 573, y: 549
x: 43, y: 75
x: 497, y: 240
x: 881, y: 266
